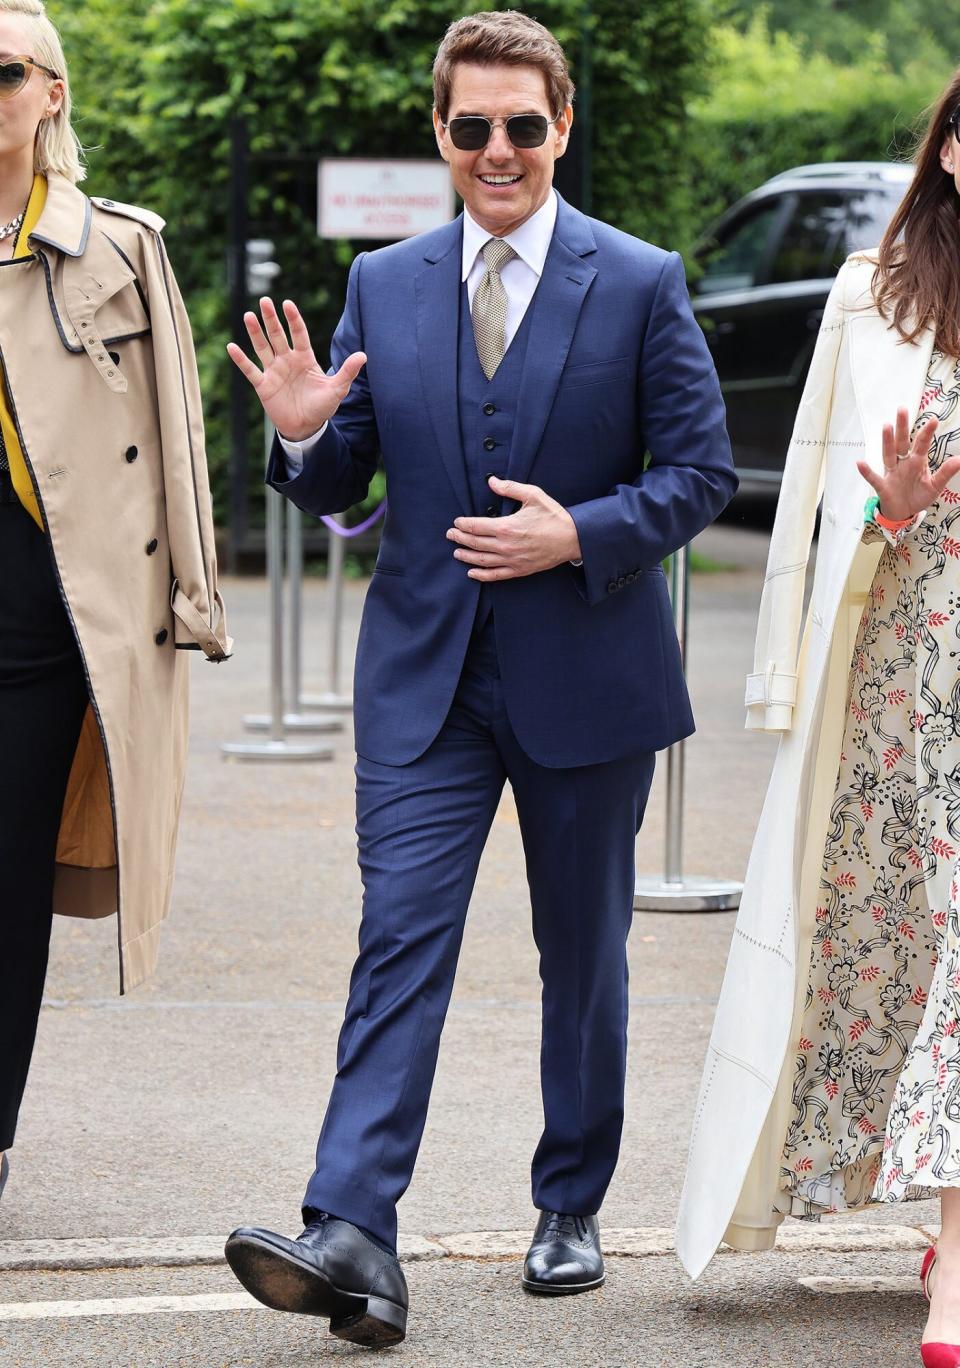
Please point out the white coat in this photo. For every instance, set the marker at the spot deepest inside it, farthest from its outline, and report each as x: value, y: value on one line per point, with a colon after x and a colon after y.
x: 861, y: 373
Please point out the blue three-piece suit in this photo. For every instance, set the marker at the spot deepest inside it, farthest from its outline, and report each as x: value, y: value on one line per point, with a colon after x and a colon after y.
x: 564, y: 682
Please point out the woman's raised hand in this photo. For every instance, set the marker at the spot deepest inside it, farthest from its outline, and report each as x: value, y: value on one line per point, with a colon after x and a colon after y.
x: 297, y: 394
x: 908, y: 485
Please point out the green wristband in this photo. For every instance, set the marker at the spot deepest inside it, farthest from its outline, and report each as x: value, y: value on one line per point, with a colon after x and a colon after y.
x: 870, y: 508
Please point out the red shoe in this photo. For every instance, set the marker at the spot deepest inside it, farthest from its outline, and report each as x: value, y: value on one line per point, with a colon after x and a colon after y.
x: 936, y: 1355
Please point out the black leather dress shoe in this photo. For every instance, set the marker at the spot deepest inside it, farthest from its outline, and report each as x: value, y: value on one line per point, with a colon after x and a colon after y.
x: 565, y: 1256
x: 332, y: 1269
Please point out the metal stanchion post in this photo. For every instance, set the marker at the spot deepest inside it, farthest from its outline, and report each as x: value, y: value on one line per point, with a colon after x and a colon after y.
x: 676, y: 892
x: 294, y: 719
x: 277, y: 748
x: 333, y: 700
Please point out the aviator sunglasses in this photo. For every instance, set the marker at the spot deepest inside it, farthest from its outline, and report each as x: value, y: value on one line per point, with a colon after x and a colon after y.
x: 15, y: 73
x: 472, y: 132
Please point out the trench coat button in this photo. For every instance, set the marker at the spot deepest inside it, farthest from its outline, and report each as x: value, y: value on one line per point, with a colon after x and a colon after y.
x: 161, y: 636
x: 489, y: 409
x: 488, y: 444
x: 612, y: 587
x: 131, y: 453
x: 151, y: 546
x: 107, y: 204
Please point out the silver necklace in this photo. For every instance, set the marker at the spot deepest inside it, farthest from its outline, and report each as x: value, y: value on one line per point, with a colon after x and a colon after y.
x: 14, y: 226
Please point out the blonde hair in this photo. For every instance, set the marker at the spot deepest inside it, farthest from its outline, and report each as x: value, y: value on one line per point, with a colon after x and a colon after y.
x: 58, y: 148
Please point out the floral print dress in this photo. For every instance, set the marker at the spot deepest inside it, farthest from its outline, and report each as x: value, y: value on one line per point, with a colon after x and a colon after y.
x: 876, y: 1093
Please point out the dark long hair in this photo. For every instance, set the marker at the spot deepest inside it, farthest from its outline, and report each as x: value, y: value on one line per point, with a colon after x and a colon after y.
x: 917, y: 280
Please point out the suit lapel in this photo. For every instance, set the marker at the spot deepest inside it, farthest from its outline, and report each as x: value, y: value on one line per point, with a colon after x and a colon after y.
x: 555, y: 310
x: 438, y: 323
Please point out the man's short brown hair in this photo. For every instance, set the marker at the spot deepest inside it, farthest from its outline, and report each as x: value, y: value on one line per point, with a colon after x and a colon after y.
x: 501, y: 38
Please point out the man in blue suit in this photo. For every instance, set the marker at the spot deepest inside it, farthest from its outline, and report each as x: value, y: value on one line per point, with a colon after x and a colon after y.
x: 551, y: 427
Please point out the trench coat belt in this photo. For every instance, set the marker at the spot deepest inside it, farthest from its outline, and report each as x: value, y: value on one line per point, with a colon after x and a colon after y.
x: 214, y: 642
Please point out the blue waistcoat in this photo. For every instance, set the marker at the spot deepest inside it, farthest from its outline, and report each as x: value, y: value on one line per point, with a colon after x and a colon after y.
x: 487, y: 418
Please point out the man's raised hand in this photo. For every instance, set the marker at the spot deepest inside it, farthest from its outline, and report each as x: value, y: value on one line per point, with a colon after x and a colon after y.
x: 295, y: 391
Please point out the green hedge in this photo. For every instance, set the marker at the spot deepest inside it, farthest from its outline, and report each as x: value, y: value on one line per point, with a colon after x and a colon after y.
x: 157, y: 82
x: 774, y: 105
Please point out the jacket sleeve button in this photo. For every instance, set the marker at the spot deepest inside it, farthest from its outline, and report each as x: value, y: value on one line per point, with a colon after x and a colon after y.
x: 131, y: 453
x: 151, y: 546
x: 161, y: 636
x: 621, y: 582
x: 631, y: 577
x: 612, y: 587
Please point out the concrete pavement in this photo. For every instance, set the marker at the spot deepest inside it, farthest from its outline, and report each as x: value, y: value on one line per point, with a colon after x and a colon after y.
x: 194, y: 1104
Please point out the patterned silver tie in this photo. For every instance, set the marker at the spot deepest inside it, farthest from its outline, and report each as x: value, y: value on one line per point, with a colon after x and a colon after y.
x: 490, y: 307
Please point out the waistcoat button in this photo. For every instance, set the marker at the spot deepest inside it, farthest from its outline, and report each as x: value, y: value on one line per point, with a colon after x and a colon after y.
x: 488, y: 444
x: 489, y: 409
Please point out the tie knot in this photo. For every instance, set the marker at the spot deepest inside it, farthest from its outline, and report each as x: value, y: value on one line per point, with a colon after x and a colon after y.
x: 496, y: 254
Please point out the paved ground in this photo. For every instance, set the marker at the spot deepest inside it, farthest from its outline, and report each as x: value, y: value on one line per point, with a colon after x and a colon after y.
x: 194, y: 1104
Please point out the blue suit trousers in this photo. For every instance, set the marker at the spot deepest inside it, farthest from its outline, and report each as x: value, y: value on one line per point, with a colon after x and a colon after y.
x: 422, y: 828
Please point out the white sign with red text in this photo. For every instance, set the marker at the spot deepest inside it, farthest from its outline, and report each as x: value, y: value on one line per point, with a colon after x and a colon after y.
x: 385, y: 200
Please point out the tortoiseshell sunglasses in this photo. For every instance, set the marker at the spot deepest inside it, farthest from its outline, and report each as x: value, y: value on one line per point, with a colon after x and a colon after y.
x: 15, y: 73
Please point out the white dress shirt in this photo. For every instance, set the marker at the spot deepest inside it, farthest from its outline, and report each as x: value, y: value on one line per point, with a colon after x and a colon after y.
x: 520, y: 276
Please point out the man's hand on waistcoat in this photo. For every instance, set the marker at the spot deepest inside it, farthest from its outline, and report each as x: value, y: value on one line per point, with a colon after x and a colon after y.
x: 295, y: 391
x: 540, y: 535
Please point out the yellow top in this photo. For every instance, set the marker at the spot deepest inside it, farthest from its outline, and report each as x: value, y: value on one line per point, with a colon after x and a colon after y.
x: 19, y: 474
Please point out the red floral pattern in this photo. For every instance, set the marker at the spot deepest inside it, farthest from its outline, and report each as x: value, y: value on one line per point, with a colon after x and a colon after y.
x: 876, y: 1096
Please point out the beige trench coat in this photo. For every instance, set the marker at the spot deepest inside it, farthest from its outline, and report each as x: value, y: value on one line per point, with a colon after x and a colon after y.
x: 860, y: 374
x: 102, y: 383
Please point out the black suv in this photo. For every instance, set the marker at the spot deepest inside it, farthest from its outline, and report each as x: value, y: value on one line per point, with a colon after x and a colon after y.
x: 766, y: 267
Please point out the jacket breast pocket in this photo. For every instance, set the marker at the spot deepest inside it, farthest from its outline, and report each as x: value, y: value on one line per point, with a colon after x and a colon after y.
x: 379, y: 569
x: 597, y: 373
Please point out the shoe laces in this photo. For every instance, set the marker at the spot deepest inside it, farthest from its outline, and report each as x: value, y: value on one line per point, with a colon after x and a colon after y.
x: 559, y: 1224
x: 318, y: 1222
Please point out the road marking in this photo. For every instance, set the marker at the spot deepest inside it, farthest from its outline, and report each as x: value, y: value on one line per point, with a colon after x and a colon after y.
x: 129, y: 1306
x: 839, y: 1287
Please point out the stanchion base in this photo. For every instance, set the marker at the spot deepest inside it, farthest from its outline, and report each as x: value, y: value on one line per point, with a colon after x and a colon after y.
x: 294, y: 722
x: 328, y: 702
x: 693, y: 893
x: 274, y: 750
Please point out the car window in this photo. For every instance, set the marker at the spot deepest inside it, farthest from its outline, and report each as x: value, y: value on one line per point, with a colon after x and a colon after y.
x: 810, y: 240
x: 825, y: 227
x: 735, y: 259
x: 868, y: 214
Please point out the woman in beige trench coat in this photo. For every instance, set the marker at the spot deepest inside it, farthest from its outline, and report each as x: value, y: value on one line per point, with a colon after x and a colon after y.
x: 832, y: 1078
x: 107, y: 564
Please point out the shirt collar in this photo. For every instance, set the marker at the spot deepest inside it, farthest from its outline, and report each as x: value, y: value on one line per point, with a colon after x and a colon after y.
x: 531, y: 241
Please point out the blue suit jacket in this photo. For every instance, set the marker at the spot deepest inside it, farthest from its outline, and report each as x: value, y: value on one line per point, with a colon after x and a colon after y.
x: 619, y: 418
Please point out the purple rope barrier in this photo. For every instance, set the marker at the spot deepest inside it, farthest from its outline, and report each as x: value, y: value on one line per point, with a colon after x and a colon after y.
x: 347, y: 532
